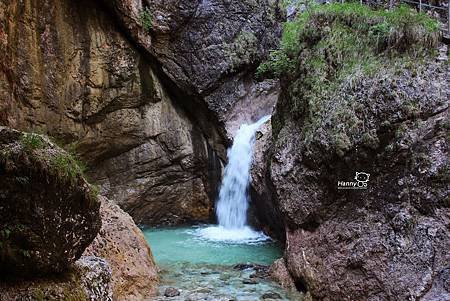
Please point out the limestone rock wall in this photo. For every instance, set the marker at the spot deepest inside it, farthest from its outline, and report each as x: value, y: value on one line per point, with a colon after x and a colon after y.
x: 391, y: 240
x: 68, y: 71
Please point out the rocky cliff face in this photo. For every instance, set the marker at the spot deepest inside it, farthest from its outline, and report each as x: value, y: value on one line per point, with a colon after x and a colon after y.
x: 69, y: 71
x: 385, y: 129
x: 150, y: 103
x: 206, y: 48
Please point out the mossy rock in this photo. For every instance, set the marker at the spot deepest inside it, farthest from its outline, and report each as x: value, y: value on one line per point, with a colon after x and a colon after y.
x: 48, y: 212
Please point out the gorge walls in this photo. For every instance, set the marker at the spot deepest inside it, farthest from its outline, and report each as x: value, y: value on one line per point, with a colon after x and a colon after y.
x: 69, y: 72
x: 150, y: 105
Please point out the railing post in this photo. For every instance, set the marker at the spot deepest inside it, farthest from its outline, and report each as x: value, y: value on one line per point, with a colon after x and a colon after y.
x: 420, y: 5
x: 448, y: 19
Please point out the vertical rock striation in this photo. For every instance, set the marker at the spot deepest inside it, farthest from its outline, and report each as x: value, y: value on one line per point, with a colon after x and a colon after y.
x: 70, y: 72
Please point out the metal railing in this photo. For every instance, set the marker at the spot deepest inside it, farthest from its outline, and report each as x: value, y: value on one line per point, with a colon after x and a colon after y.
x: 421, y: 5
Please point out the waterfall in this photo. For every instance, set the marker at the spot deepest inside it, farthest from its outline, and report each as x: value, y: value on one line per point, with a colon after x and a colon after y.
x: 232, y: 205
x: 233, y: 200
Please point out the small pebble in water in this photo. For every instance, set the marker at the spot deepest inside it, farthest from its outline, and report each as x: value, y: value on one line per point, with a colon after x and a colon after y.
x: 171, y: 292
x: 250, y: 281
x: 270, y: 296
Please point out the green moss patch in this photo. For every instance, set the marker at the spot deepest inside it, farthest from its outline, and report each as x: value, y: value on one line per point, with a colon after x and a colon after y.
x: 330, y: 58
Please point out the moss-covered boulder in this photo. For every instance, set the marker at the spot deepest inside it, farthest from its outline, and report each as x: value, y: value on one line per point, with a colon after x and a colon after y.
x: 48, y: 213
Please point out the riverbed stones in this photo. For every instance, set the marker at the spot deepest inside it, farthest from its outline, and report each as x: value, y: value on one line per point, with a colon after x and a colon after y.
x: 250, y: 281
x: 271, y: 296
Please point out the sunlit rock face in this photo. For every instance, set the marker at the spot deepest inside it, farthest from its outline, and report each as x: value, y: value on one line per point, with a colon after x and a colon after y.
x: 69, y: 71
x: 122, y: 245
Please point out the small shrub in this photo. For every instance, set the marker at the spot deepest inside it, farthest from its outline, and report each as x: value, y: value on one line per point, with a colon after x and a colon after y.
x: 68, y: 165
x: 146, y: 19
x: 243, y: 50
x: 31, y: 141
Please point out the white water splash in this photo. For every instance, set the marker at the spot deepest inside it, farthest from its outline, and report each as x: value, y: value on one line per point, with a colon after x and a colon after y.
x: 231, y: 209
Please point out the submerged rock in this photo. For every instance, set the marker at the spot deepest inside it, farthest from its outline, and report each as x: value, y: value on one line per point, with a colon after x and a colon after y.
x: 171, y: 292
x: 270, y: 296
x: 121, y: 243
x: 250, y: 281
x: 48, y: 213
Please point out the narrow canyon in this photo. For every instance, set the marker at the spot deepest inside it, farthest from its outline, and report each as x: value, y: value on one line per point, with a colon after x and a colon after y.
x: 224, y: 150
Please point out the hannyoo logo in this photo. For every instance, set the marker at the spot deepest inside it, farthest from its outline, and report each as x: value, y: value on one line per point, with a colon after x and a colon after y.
x: 362, y: 178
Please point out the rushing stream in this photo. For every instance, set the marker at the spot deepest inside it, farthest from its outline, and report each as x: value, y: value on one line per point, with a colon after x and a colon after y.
x: 221, y: 262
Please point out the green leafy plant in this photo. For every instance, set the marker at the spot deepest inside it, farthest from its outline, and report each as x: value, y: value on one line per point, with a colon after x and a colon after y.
x: 31, y: 141
x: 146, y: 19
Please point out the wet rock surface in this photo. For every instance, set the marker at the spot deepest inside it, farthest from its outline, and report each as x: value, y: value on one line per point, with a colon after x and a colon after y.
x: 48, y: 214
x: 171, y: 292
x: 264, y: 204
x: 121, y: 243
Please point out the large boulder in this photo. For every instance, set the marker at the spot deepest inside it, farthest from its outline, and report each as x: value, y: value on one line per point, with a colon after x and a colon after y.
x: 48, y: 213
x: 121, y: 243
x: 390, y: 240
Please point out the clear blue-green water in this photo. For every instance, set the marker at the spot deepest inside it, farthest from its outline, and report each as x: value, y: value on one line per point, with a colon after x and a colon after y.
x: 204, y: 269
x: 175, y: 245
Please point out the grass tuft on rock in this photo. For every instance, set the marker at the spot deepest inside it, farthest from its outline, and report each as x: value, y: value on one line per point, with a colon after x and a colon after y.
x: 146, y: 19
x: 328, y: 56
x: 31, y: 141
x: 343, y: 33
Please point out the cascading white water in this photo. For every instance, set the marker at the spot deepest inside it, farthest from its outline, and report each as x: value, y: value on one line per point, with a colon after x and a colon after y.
x: 232, y: 206
x: 233, y: 200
